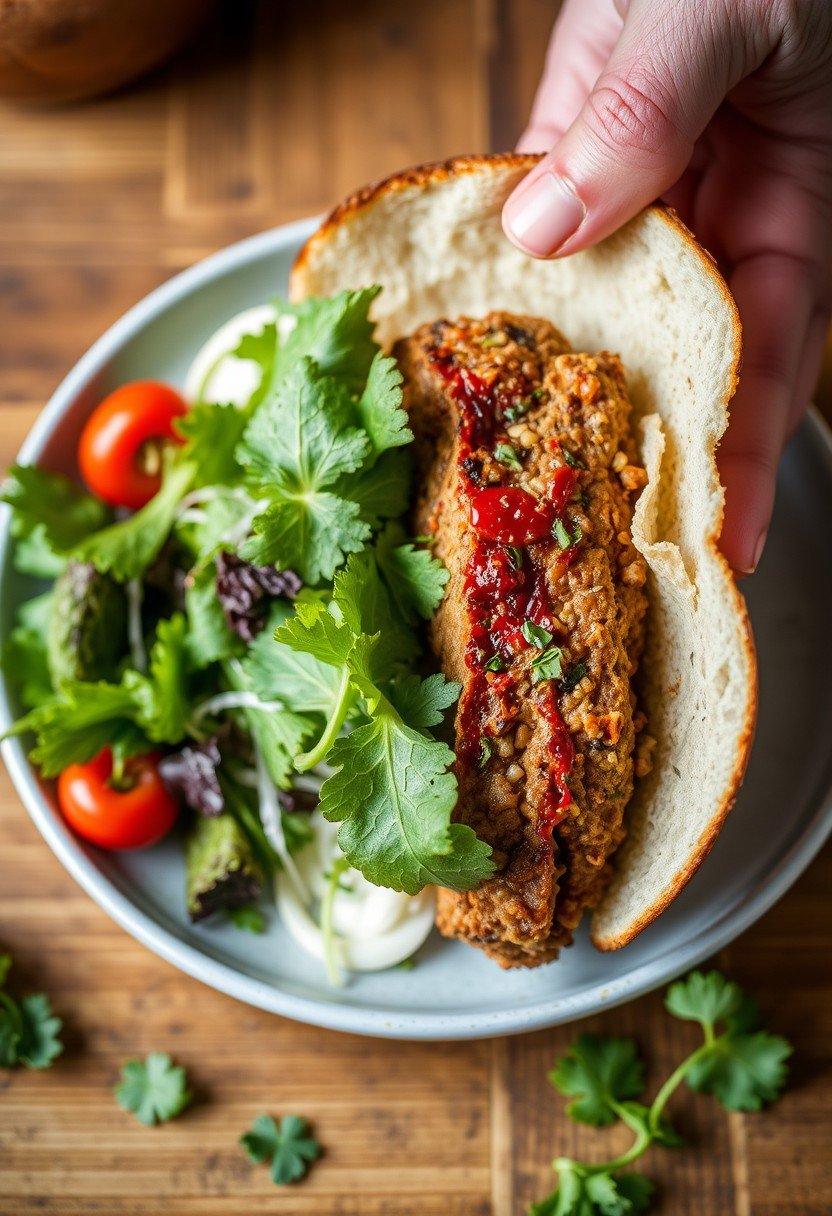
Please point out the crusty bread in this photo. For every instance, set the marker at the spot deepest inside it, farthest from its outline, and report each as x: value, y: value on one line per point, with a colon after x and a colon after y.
x: 432, y: 237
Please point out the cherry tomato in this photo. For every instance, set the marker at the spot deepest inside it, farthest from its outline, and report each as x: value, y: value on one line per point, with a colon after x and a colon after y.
x: 119, y: 453
x: 134, y: 816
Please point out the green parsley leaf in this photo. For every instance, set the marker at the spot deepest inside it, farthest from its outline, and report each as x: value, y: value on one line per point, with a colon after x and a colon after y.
x: 507, y: 455
x: 598, y: 1072
x: 59, y: 509
x: 39, y: 1043
x: 249, y: 918
x: 380, y: 406
x: 415, y: 577
x: 289, y: 1147
x: 495, y: 663
x: 536, y: 635
x: 127, y: 548
x: 393, y: 794
x: 547, y: 665
x: 486, y: 750
x: 211, y: 434
x: 154, y: 1089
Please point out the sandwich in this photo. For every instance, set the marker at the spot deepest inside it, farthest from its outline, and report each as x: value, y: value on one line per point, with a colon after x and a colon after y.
x: 566, y: 416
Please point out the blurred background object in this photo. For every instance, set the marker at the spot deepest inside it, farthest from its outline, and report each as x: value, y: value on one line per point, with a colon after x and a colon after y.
x: 59, y: 50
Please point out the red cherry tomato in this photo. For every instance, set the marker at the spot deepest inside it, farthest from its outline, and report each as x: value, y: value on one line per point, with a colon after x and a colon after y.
x: 117, y: 818
x: 118, y: 453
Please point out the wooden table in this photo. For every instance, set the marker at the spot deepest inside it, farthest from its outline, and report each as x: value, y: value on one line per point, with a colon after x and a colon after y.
x: 272, y: 116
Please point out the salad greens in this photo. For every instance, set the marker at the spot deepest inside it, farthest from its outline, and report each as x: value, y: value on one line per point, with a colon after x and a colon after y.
x: 742, y: 1066
x: 273, y: 604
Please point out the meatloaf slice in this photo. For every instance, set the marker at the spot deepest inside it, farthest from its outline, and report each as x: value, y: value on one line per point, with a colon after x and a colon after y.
x: 527, y: 471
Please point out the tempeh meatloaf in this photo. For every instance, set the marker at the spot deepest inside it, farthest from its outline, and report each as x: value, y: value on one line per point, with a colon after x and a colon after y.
x: 527, y: 477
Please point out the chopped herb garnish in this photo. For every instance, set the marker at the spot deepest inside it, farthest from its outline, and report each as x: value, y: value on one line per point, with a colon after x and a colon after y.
x: 486, y: 750
x: 536, y: 635
x: 742, y: 1066
x: 547, y: 665
x: 28, y: 1029
x: 507, y: 455
x: 571, y: 460
x: 538, y: 392
x: 493, y: 339
x: 563, y: 536
x: 573, y: 677
x: 517, y: 409
x: 495, y: 663
x: 516, y: 555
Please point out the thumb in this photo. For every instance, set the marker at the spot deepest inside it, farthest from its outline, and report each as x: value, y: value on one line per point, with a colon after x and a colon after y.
x: 634, y: 135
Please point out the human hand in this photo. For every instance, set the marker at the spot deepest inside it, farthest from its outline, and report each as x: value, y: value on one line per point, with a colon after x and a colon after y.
x: 724, y: 109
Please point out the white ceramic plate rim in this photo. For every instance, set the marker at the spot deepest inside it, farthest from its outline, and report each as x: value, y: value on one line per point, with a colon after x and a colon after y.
x: 375, y: 1022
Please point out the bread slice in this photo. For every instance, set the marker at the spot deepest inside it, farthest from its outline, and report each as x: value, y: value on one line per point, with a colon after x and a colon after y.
x: 432, y: 237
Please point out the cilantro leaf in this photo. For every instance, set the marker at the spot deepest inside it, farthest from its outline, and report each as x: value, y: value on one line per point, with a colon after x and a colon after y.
x: 598, y: 1073
x: 381, y: 491
x: 380, y: 406
x: 591, y: 1191
x: 337, y: 333
x: 288, y: 1147
x: 393, y: 794
x: 415, y: 577
x: 422, y: 703
x: 742, y: 1071
x: 366, y: 606
x: 276, y: 671
x: 211, y: 434
x: 278, y: 733
x: 10, y: 1030
x: 127, y: 548
x: 161, y: 697
x: 154, y: 1089
x: 303, y: 432
x: 54, y: 505
x: 547, y: 665
x: 298, y: 444
x: 536, y: 635
x: 703, y: 998
x: 260, y: 348
x: 39, y: 1043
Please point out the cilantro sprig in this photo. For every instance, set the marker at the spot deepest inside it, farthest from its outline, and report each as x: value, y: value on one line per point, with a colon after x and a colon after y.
x: 29, y: 1031
x: 742, y: 1066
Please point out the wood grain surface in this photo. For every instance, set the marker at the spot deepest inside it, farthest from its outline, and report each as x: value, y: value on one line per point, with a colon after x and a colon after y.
x: 277, y: 111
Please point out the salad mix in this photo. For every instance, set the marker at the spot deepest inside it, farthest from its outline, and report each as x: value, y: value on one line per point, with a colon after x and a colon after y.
x: 231, y: 635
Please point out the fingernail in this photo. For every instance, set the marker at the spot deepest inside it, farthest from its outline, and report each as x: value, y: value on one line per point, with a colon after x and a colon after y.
x: 545, y: 215
x: 758, y: 551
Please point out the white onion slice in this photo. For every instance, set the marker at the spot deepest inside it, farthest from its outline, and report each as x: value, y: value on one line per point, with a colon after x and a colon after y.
x: 218, y: 376
x: 374, y: 928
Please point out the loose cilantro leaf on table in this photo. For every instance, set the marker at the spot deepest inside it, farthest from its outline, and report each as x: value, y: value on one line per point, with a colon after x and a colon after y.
x: 742, y: 1066
x: 154, y: 1089
x: 29, y: 1031
x: 597, y: 1074
x: 289, y: 1148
